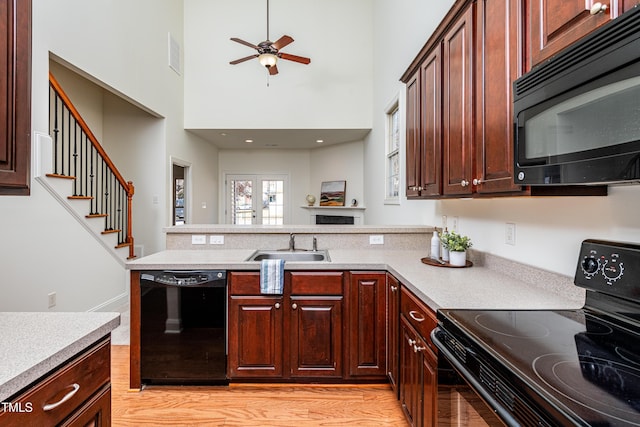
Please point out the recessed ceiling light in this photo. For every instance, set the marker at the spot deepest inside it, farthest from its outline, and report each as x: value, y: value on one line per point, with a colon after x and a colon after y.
x: 319, y: 141
x: 223, y: 134
x: 248, y: 141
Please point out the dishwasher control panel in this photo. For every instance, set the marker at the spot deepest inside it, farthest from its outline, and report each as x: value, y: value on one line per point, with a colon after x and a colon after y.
x: 185, y: 277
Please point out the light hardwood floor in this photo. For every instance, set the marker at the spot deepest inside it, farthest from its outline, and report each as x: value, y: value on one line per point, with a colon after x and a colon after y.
x: 249, y: 405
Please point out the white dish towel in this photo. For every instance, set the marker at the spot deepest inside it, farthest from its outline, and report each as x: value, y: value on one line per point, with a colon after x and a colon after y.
x: 272, y: 276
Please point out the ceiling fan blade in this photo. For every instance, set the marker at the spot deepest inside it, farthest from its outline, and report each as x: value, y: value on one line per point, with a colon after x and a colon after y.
x: 300, y: 59
x: 282, y: 42
x: 237, y: 40
x: 273, y: 70
x: 246, y: 58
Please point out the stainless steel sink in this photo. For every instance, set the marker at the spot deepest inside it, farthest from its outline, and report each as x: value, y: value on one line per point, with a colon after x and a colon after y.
x: 302, y: 256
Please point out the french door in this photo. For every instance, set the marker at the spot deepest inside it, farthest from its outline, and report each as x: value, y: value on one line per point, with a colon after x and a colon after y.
x: 255, y: 199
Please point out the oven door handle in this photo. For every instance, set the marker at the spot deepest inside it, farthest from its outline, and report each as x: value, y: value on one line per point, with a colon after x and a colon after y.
x: 504, y: 414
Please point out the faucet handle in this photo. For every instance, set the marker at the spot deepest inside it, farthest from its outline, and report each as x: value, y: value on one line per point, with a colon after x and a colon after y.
x: 315, y: 244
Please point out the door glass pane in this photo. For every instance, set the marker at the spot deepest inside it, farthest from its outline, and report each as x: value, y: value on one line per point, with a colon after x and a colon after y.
x: 179, y: 202
x: 241, y: 202
x: 272, y: 202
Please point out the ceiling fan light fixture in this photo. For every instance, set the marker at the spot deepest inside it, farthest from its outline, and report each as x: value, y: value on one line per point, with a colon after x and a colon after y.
x: 267, y: 59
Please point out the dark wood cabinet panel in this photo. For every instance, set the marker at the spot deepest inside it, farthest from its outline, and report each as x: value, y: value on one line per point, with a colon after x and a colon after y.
x: 255, y: 336
x: 393, y: 330
x: 497, y: 60
x: 418, y: 362
x: 457, y: 101
x: 430, y: 183
x: 413, y: 151
x: 15, y: 90
x: 555, y: 24
x: 316, y: 336
x: 367, y: 315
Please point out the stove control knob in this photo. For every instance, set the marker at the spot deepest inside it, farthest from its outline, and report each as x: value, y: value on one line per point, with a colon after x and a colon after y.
x: 590, y: 266
x: 612, y: 271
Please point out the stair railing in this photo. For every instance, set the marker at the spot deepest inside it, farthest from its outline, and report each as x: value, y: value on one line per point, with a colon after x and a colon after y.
x: 78, y: 155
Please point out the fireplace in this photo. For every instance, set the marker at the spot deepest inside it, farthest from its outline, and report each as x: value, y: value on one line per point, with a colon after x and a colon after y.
x: 335, y: 219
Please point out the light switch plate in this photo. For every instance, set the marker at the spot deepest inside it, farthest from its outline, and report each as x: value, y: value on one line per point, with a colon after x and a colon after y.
x: 216, y: 240
x: 376, y: 240
x: 198, y: 239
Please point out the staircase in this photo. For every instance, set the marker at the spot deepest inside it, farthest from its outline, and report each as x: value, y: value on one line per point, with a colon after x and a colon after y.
x: 83, y: 178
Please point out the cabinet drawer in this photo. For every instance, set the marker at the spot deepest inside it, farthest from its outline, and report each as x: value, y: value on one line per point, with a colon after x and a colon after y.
x: 418, y: 315
x: 317, y: 283
x: 58, y: 395
x: 244, y: 283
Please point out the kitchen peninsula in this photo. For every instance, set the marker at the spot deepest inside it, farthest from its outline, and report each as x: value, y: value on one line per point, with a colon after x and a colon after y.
x: 342, y: 320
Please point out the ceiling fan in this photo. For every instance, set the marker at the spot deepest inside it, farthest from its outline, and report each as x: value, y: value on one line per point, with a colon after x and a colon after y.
x: 269, y: 52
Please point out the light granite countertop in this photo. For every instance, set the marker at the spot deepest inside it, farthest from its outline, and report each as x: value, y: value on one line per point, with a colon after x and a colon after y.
x: 299, y: 228
x: 32, y: 343
x: 496, y: 286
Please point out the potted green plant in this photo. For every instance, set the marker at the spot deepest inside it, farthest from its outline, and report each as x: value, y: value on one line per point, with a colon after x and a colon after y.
x: 457, y: 246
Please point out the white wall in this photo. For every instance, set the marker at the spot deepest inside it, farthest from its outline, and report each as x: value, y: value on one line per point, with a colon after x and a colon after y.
x: 334, y: 91
x: 341, y: 162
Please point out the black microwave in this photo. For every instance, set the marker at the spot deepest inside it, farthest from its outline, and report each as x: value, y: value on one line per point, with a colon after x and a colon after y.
x: 577, y: 115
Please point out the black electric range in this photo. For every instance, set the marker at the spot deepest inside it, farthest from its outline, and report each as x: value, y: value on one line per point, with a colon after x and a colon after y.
x: 558, y: 367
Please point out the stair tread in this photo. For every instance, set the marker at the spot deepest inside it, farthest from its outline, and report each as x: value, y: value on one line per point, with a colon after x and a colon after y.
x: 56, y: 175
x: 96, y: 215
x: 80, y: 197
x: 110, y: 231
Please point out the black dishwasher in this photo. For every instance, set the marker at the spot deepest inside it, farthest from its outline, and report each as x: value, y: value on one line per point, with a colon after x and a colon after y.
x: 183, y: 327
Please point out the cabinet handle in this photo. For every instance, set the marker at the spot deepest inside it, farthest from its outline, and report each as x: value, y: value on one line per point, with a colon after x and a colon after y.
x: 417, y: 349
x: 464, y: 183
x: 294, y: 305
x: 51, y: 406
x: 394, y: 288
x: 477, y: 181
x: 417, y: 316
x: 411, y: 342
x: 598, y: 8
x: 277, y: 305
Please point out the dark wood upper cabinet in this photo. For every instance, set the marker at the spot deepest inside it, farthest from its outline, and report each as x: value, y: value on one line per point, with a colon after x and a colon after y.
x: 457, y: 101
x: 555, y: 24
x: 431, y: 124
x: 498, y: 65
x: 15, y: 90
x: 413, y: 151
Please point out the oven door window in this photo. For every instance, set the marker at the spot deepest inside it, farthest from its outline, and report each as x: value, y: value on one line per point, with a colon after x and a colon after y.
x: 596, y: 120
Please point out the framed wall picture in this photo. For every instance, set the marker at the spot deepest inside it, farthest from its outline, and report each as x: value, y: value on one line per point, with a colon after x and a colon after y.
x: 332, y: 193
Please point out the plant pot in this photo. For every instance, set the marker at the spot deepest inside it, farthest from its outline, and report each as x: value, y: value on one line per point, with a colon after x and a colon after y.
x: 458, y: 259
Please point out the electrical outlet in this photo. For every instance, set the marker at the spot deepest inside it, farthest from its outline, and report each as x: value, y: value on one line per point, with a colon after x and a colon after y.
x: 216, y: 240
x: 510, y: 233
x: 52, y: 299
x: 454, y: 224
x: 198, y: 240
x: 376, y: 240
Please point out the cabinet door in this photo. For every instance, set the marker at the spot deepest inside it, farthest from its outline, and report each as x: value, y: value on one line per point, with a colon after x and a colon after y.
x: 255, y: 337
x: 367, y: 354
x: 315, y: 343
x: 15, y: 92
x: 457, y: 99
x: 555, y: 24
x: 413, y: 137
x: 409, y: 373
x: 96, y: 412
x: 431, y: 124
x: 497, y: 62
x: 429, y: 385
x: 393, y: 330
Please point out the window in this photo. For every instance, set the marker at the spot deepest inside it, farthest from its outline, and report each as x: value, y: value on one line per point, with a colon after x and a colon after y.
x: 392, y: 191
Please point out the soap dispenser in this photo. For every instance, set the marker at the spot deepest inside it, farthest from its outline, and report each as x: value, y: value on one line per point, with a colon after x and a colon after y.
x: 435, y: 245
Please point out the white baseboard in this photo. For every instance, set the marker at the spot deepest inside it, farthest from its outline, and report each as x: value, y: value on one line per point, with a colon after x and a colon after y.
x: 115, y: 304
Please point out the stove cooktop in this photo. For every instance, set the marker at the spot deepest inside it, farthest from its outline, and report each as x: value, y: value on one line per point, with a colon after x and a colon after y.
x: 587, y: 368
x: 559, y: 367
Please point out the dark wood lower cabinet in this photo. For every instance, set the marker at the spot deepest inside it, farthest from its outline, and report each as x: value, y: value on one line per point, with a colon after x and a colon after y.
x: 393, y: 331
x: 316, y: 336
x: 366, y: 328
x: 297, y: 335
x: 77, y: 393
